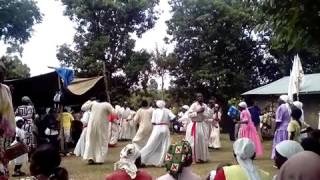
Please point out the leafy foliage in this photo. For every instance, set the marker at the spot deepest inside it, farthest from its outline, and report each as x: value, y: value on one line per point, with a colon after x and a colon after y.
x: 103, y: 39
x: 215, y: 50
x: 295, y: 24
x: 15, y: 68
x: 17, y: 18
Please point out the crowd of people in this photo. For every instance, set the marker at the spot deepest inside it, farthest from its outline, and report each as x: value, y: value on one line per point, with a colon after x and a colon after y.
x: 42, y: 139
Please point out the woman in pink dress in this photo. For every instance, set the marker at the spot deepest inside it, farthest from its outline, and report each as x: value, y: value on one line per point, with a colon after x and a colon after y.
x: 247, y: 128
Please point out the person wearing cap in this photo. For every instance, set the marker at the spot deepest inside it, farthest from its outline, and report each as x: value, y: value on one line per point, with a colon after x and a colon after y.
x: 178, y: 163
x: 154, y: 152
x: 244, y: 151
x: 143, y: 118
x: 127, y: 167
x: 283, y: 116
x: 197, y: 133
x: 247, y: 128
x: 285, y: 150
x: 214, y: 138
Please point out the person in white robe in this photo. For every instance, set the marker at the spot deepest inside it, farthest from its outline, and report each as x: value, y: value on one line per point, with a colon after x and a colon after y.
x: 96, y: 147
x: 196, y: 133
x: 214, y: 140
x: 184, y: 117
x: 157, y: 146
x: 126, y: 130
x: 81, y: 144
x: 114, y: 121
x: 143, y: 118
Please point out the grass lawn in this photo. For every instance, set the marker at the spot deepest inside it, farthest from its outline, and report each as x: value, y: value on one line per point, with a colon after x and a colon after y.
x: 79, y: 169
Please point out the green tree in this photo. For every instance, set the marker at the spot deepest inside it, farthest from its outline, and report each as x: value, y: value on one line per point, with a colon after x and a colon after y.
x: 294, y: 24
x: 215, y: 51
x: 17, y: 18
x: 15, y: 68
x: 103, y: 38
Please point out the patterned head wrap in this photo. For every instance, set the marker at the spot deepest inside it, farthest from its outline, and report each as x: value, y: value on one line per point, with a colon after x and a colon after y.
x: 178, y: 156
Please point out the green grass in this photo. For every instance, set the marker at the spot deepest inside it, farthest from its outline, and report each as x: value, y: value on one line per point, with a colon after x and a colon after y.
x: 79, y: 169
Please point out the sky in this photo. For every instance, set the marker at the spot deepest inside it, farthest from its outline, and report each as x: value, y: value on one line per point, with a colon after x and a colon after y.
x: 56, y: 29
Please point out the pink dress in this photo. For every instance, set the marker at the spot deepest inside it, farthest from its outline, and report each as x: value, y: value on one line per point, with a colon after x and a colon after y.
x: 249, y: 131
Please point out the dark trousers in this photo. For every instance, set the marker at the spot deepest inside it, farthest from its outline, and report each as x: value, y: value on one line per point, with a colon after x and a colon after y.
x: 231, y: 129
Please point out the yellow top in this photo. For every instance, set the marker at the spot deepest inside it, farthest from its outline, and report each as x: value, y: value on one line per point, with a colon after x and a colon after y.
x: 295, y: 128
x: 65, y: 120
x: 235, y: 172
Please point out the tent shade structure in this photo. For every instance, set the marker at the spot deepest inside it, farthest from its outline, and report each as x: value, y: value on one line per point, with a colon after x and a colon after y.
x: 311, y: 85
x: 41, y: 89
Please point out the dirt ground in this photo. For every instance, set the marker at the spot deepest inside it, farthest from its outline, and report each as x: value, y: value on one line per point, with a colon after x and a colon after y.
x: 79, y: 169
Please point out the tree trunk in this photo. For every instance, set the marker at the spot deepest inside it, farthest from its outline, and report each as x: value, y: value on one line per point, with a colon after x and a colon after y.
x: 107, y: 78
x: 162, y: 86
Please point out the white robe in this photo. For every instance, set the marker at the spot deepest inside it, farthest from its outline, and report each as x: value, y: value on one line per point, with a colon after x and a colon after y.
x: 214, y: 139
x: 197, y: 132
x: 184, y: 120
x: 127, y: 127
x: 143, y: 118
x: 113, y: 132
x: 23, y: 159
x: 81, y: 144
x: 157, y: 146
x: 96, y: 147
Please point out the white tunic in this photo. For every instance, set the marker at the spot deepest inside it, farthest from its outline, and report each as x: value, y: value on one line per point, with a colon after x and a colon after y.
x: 96, y: 147
x: 81, y: 144
x: 214, y: 139
x: 157, y: 146
x: 23, y: 158
x: 143, y: 118
x: 197, y: 132
x: 127, y: 127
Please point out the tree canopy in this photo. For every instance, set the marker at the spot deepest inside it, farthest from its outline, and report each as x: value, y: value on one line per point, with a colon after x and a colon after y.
x: 103, y: 39
x: 17, y: 18
x: 294, y: 24
x: 215, y: 49
x: 15, y: 68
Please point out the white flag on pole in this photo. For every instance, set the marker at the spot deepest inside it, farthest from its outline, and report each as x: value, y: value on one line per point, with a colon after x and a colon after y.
x: 296, y: 78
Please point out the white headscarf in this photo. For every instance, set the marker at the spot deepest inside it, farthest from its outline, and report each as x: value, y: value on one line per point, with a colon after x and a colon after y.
x: 298, y: 104
x: 160, y: 104
x: 243, y: 104
x: 186, y: 107
x: 128, y: 156
x: 288, y: 148
x: 244, y: 150
x: 284, y: 98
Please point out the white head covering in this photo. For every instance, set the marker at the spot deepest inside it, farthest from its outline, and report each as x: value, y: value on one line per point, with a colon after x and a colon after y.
x: 288, y: 148
x: 186, y: 107
x: 244, y: 150
x: 17, y: 118
x: 284, y: 98
x: 243, y: 104
x: 298, y: 104
x: 128, y: 156
x: 160, y: 104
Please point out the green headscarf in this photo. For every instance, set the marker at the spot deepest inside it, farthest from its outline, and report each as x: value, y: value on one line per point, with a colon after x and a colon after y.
x: 178, y: 156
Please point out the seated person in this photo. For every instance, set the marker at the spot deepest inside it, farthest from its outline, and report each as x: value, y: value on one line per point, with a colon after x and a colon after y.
x: 127, y: 167
x: 244, y: 152
x: 178, y: 162
x: 302, y: 166
x: 45, y: 163
x: 285, y: 150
